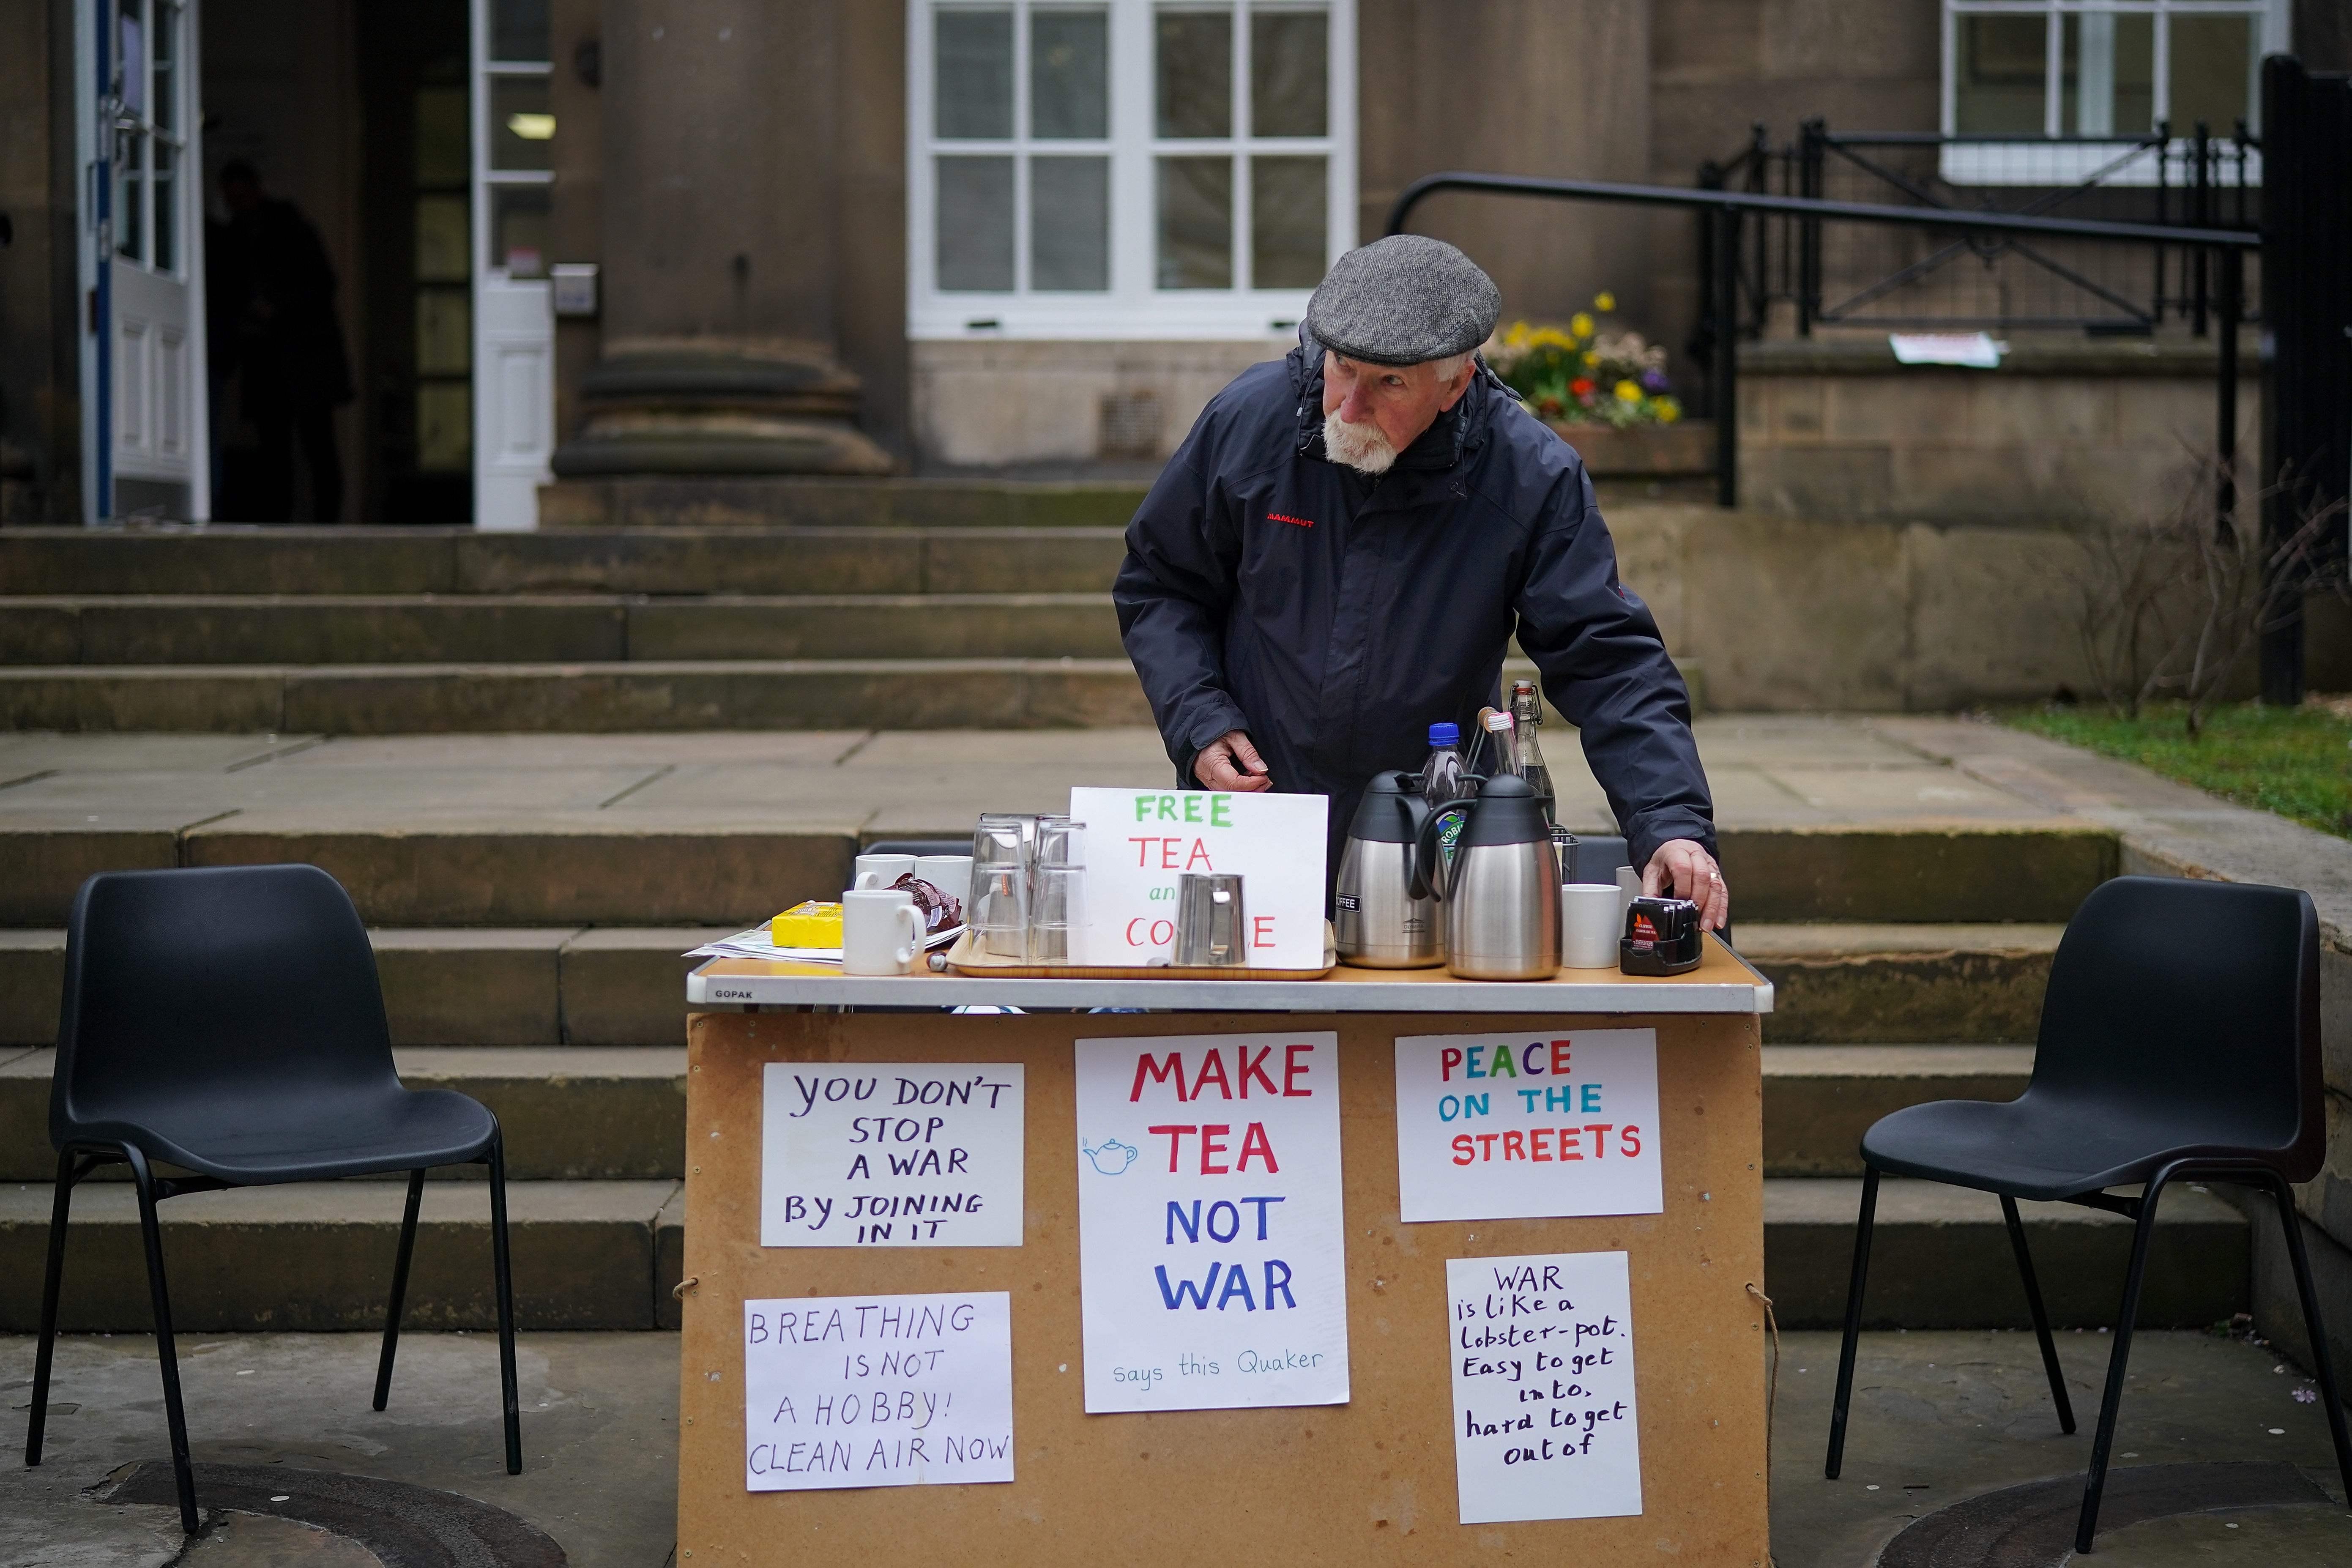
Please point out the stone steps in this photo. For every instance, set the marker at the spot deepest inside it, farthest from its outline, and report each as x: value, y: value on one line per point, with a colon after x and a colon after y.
x: 602, y: 1255
x: 1880, y: 981
x: 319, y: 1256
x: 587, y: 696
x: 1820, y: 1100
x: 1940, y: 1257
x: 570, y: 1113
x: 457, y: 561
x: 587, y: 628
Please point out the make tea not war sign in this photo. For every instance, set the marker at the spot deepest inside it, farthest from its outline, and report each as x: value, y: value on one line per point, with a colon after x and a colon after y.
x: 1543, y: 1387
x: 877, y: 1390
x: 1209, y: 1222
x: 890, y: 1154
x: 1140, y: 841
x: 1527, y: 1126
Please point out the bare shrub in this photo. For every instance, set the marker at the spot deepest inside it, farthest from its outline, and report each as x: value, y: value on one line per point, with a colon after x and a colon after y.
x: 2171, y: 605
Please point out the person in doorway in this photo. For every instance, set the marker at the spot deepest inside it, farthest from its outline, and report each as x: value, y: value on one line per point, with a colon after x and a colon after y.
x: 1341, y: 549
x: 288, y: 347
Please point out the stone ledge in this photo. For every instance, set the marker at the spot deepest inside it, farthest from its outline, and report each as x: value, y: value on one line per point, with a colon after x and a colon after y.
x: 2027, y: 355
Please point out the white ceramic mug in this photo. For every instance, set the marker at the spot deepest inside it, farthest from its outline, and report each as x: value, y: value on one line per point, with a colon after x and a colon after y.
x: 881, y: 931
x: 881, y: 871
x: 950, y: 874
x: 1591, y: 920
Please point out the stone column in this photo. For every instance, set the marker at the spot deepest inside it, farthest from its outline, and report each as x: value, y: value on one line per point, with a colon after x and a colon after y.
x: 719, y: 277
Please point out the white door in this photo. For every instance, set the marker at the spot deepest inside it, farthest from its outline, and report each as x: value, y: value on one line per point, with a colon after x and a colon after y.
x: 145, y: 424
x: 514, y: 316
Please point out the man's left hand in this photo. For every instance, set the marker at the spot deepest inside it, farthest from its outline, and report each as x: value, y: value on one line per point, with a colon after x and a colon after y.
x: 1686, y: 870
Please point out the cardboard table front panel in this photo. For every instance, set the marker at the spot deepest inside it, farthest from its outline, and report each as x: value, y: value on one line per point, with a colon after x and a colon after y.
x: 1371, y: 1482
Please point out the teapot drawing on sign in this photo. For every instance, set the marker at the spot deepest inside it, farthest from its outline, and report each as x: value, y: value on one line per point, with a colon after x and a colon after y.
x: 1110, y: 1157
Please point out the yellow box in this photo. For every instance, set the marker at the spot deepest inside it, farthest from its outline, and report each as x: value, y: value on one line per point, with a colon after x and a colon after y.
x: 811, y: 924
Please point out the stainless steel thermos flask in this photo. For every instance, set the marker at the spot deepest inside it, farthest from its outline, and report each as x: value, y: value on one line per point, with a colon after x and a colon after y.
x: 1501, y: 894
x: 1379, y: 921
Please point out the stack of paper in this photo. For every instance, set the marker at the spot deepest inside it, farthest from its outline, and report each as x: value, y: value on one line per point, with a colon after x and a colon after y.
x: 758, y: 943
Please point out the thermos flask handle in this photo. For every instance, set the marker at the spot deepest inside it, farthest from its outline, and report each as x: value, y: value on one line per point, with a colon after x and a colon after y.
x: 1427, y: 871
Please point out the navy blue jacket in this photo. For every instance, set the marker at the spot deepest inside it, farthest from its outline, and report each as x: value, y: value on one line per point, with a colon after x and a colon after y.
x: 1335, y: 617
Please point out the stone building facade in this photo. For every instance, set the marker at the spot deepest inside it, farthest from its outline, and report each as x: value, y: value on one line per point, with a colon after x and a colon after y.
x: 1024, y: 237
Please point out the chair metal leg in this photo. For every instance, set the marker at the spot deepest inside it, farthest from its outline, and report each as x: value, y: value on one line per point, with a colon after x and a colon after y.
x: 2041, y: 1317
x: 175, y: 1415
x: 503, y: 1266
x: 2094, y: 1483
x: 2321, y: 1366
x: 44, y: 1353
x: 1853, y: 1321
x: 399, y: 1287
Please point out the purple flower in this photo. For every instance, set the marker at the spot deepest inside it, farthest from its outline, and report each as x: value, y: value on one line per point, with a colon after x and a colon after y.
x: 2304, y: 1397
x: 1655, y: 380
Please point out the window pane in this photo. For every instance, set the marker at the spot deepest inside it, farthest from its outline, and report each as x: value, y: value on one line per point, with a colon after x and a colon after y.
x: 1999, y: 86
x: 444, y: 426
x: 975, y: 224
x: 442, y: 157
x: 130, y: 195
x: 519, y: 230
x: 1196, y: 223
x: 1290, y: 81
x: 1288, y: 205
x: 519, y: 29
x: 167, y: 227
x: 2105, y: 74
x: 1195, y: 63
x: 445, y: 336
x: 1069, y: 222
x: 1069, y: 74
x: 441, y: 225
x: 971, y: 94
x: 2210, y: 71
x: 520, y: 125
x: 167, y: 48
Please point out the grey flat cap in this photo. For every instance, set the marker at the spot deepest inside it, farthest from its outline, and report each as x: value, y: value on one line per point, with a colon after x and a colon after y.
x: 1403, y: 300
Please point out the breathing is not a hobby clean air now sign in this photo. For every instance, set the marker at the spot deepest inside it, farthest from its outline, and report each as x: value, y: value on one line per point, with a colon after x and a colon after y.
x: 1209, y: 1240
x: 1528, y: 1126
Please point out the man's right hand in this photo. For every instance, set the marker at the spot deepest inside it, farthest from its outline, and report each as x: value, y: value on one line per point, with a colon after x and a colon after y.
x: 1231, y: 762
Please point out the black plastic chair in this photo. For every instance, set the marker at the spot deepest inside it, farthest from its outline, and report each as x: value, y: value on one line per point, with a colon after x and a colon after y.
x: 2179, y: 1038
x: 228, y: 1021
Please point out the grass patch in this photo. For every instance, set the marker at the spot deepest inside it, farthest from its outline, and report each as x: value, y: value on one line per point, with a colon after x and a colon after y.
x: 2297, y: 761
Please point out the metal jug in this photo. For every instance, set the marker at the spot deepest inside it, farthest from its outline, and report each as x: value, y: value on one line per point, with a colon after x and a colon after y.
x: 1381, y: 923
x: 1502, y: 891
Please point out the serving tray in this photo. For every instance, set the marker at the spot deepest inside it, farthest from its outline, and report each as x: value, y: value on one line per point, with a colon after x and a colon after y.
x: 963, y: 960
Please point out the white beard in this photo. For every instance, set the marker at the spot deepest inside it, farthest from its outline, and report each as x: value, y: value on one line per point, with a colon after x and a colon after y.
x: 1360, y: 446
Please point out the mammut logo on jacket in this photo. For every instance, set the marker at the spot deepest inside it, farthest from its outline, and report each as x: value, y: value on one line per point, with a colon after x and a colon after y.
x: 1281, y: 517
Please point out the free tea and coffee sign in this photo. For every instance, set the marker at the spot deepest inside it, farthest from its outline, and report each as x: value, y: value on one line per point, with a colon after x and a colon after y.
x: 1140, y: 841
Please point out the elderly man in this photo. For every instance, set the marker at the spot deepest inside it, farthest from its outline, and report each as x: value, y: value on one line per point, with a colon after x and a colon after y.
x: 1343, y: 548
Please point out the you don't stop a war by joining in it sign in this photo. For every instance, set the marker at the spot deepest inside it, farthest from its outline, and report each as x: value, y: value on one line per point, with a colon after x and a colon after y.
x: 1209, y: 1240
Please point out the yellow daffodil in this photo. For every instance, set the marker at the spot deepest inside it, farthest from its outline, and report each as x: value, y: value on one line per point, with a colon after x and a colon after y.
x: 1604, y: 300
x: 1627, y: 392
x: 1669, y: 410
x: 1581, y: 324
x: 1590, y: 360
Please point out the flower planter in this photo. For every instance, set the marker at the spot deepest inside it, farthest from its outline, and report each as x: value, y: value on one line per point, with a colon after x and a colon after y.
x: 1643, y: 451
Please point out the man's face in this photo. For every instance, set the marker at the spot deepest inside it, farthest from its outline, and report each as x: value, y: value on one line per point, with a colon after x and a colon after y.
x: 1372, y: 412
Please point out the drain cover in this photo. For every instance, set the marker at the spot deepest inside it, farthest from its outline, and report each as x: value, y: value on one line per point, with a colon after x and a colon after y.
x: 2032, y: 1526
x: 404, y: 1526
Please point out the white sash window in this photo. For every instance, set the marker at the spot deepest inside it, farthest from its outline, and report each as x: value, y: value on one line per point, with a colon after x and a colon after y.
x: 1125, y: 169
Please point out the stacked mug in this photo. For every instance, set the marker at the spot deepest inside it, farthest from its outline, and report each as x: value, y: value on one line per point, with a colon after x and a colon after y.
x: 1028, y: 897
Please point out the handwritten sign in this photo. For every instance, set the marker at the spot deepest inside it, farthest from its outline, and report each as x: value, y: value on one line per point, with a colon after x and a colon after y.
x: 1528, y: 1126
x: 1210, y: 1239
x: 1543, y: 1387
x: 1140, y: 841
x: 877, y: 1390
x: 890, y: 1154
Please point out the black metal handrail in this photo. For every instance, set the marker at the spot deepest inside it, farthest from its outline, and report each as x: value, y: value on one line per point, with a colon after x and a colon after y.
x: 1726, y: 208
